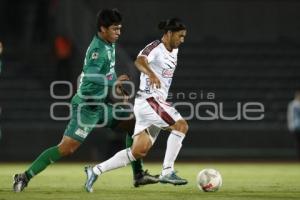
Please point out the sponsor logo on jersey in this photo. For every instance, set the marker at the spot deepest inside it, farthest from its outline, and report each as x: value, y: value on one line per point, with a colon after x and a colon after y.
x: 168, y: 73
x: 173, y: 61
x: 109, y: 77
x: 170, y: 66
x: 81, y: 133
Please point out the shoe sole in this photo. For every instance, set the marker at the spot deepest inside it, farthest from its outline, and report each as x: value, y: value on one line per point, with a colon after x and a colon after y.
x: 148, y: 183
x: 173, y: 183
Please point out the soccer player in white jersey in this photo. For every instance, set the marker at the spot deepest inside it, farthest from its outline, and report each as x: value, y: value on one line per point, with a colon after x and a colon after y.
x: 157, y: 63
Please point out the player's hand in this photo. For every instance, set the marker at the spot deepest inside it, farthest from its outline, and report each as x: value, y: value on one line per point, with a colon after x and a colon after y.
x: 123, y: 93
x: 154, y: 81
x: 122, y: 78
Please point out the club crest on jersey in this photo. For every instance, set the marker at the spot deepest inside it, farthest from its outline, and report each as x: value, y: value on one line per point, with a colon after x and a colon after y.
x: 95, y: 55
x: 168, y: 73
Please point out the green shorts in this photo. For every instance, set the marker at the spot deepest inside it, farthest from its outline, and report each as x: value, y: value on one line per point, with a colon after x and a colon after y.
x: 86, y: 117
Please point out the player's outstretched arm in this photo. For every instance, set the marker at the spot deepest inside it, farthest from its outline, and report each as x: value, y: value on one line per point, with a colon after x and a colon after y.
x: 143, y: 66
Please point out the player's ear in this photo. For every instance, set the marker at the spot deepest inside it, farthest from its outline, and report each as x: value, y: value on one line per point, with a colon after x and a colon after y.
x: 169, y: 34
x: 103, y: 29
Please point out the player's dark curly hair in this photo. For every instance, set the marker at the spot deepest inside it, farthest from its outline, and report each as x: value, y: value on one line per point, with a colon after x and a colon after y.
x: 108, y: 17
x: 173, y: 24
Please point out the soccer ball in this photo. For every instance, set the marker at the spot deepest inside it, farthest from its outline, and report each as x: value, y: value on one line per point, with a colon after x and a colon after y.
x: 209, y: 180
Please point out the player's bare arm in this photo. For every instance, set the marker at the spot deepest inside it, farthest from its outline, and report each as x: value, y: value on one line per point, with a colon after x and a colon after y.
x: 142, y: 64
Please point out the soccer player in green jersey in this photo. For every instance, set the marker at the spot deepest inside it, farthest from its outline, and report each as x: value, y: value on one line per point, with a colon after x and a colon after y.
x: 90, y: 105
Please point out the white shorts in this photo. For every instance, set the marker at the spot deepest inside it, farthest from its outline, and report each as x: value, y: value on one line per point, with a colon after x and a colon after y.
x: 151, y: 111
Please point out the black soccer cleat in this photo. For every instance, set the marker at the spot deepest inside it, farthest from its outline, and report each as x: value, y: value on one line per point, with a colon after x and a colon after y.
x: 144, y: 178
x: 20, y: 182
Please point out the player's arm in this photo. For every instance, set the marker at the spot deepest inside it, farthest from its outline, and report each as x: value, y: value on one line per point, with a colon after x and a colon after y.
x: 93, y: 75
x: 143, y: 66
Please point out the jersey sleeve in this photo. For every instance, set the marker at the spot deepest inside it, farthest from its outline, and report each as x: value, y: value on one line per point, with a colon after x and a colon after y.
x: 95, y: 61
x: 150, y: 51
x: 96, y: 57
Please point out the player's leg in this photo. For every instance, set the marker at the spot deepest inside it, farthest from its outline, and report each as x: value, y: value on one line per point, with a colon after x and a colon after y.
x: 140, y: 176
x: 139, y: 149
x: 72, y: 139
x: 141, y: 144
x: 128, y: 127
x: 170, y: 118
x: 66, y: 147
x: 137, y: 166
x: 174, y: 144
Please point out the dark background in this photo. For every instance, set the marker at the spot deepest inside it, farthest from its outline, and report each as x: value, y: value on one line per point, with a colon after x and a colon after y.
x: 242, y: 51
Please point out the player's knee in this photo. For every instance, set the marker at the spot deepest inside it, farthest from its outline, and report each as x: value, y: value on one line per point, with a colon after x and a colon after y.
x: 139, y: 152
x: 68, y: 146
x: 66, y: 150
x: 182, y: 126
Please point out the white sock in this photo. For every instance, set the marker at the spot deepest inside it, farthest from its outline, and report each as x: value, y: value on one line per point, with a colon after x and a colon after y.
x: 173, y: 147
x: 120, y: 159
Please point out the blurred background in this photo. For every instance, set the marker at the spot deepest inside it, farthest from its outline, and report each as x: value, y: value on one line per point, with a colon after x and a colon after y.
x: 240, y: 51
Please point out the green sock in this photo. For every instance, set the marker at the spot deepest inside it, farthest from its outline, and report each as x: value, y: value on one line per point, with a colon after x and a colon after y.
x: 49, y: 156
x: 137, y: 166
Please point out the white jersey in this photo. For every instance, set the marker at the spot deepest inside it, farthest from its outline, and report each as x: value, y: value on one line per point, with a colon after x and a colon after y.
x: 163, y: 63
x: 150, y: 108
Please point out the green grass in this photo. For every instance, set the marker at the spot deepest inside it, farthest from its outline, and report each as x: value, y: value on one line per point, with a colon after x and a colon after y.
x: 240, y: 181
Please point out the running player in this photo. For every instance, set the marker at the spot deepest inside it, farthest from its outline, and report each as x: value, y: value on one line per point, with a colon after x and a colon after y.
x: 90, y: 105
x: 157, y: 63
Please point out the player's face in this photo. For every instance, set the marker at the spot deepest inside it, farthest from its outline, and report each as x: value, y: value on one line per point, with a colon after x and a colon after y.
x: 177, y: 38
x: 112, y: 33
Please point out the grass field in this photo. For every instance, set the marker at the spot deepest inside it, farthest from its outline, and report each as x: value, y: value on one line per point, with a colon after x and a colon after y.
x: 240, y: 181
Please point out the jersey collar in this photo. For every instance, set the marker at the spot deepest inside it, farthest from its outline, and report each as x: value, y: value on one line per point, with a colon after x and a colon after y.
x: 103, y: 41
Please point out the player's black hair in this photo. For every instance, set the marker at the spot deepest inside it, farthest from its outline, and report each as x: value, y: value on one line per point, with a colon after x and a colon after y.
x: 173, y: 24
x: 108, y: 17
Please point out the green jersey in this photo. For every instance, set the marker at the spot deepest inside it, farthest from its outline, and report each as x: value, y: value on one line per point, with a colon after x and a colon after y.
x: 97, y: 76
x: 98, y: 72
